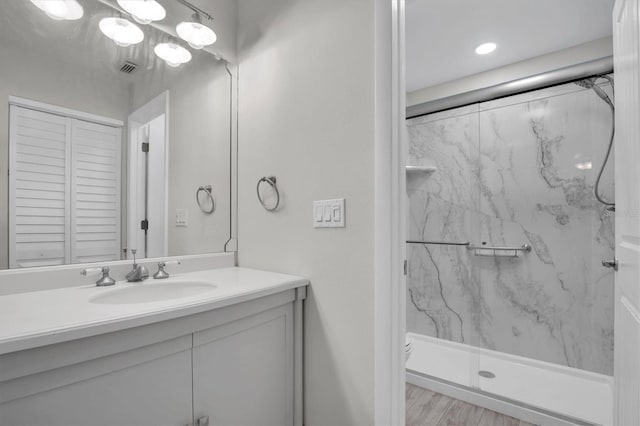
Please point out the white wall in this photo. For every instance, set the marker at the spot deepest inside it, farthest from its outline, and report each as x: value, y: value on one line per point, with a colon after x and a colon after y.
x: 306, y: 115
x: 46, y: 79
x: 574, y: 55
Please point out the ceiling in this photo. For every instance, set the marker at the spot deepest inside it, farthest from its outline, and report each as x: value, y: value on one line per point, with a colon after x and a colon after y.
x: 443, y: 34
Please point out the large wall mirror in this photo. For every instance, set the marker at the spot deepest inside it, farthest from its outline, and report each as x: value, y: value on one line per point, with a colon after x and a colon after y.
x: 116, y: 132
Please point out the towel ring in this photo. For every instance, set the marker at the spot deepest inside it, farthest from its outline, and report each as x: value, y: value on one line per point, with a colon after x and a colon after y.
x: 271, y: 180
x: 207, y: 189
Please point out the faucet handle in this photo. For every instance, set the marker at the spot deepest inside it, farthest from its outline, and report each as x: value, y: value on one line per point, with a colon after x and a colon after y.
x: 162, y: 274
x: 104, y: 281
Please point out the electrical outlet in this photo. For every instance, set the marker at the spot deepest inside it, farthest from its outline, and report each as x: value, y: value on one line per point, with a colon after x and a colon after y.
x: 182, y: 217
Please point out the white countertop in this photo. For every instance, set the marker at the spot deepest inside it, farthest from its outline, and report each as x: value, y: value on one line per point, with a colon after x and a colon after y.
x: 29, y: 320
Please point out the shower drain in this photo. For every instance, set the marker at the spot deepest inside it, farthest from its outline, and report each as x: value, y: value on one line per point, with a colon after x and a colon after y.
x: 486, y: 374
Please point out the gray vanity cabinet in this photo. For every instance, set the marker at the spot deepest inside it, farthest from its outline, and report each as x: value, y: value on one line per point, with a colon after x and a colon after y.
x: 232, y: 365
x: 242, y: 371
x: 146, y: 386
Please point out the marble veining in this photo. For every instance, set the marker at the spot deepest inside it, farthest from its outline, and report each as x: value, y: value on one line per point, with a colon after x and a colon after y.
x: 510, y: 173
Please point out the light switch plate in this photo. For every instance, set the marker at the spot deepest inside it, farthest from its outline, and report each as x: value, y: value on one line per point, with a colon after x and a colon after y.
x: 182, y: 217
x: 329, y: 213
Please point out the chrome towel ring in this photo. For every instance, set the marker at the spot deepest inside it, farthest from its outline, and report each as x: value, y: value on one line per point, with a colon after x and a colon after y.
x: 271, y: 181
x: 207, y: 190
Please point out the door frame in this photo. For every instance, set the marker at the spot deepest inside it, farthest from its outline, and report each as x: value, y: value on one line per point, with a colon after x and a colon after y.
x: 65, y: 112
x: 390, y: 213
x: 141, y: 116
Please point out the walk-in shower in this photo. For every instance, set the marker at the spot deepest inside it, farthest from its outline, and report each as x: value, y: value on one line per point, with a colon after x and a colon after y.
x: 507, y: 296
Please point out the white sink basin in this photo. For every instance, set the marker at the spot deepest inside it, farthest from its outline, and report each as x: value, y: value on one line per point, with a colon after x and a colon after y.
x: 147, y: 292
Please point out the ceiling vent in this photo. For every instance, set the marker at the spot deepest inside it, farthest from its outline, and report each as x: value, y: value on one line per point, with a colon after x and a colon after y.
x: 128, y: 67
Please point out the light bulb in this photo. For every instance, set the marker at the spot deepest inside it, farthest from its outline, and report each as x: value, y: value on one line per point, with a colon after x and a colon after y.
x: 486, y: 48
x: 196, y: 34
x: 60, y: 9
x: 121, y: 31
x: 144, y: 11
x: 174, y: 55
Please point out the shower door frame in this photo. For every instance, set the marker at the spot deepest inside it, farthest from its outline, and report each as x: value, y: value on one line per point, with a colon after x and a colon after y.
x: 526, y: 84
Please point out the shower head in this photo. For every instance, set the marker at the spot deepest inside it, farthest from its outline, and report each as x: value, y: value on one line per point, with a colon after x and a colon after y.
x: 587, y: 83
x: 590, y: 83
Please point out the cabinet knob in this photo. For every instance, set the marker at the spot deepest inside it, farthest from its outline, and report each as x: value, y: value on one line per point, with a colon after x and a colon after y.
x: 203, y: 421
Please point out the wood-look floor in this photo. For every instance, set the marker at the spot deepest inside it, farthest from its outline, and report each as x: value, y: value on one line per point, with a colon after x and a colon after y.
x: 426, y: 408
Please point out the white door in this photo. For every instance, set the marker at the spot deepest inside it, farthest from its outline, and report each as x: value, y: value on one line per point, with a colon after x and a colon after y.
x: 95, y: 192
x: 626, y: 22
x: 39, y: 176
x: 64, y: 189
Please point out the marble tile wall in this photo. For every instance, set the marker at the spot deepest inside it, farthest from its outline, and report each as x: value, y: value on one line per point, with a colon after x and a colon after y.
x: 510, y: 172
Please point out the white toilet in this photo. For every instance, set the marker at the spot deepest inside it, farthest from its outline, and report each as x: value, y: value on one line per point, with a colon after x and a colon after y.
x: 408, y: 348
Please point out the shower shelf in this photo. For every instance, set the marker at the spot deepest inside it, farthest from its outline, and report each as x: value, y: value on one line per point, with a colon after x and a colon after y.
x: 499, y: 251
x: 420, y: 170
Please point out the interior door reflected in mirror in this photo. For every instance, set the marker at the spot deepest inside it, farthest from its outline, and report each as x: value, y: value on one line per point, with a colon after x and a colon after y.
x: 113, y: 117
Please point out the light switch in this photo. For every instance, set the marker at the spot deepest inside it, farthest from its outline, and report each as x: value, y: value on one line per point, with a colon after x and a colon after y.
x: 317, y: 212
x: 329, y: 213
x: 182, y: 217
x: 336, y: 213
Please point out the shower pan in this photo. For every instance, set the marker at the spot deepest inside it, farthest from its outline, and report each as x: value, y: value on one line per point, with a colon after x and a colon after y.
x: 507, y: 296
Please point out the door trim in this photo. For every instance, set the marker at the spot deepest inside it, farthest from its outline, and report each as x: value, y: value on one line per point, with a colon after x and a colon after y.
x: 65, y: 112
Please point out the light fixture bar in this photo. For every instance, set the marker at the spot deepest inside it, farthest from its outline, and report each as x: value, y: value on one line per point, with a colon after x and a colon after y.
x: 196, y: 9
x: 165, y: 29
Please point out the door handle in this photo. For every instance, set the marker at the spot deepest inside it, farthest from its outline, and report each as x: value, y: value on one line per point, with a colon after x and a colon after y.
x: 613, y: 264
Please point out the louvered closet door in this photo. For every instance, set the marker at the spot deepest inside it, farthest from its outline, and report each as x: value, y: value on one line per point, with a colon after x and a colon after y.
x: 39, y: 176
x: 95, y: 192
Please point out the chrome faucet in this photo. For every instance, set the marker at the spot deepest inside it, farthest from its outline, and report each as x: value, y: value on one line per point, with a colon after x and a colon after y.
x: 104, y: 281
x: 162, y: 274
x: 139, y: 272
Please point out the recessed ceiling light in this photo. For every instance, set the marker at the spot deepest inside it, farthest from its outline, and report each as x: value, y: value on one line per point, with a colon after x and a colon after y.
x: 121, y: 31
x: 587, y: 165
x: 173, y: 54
x: 486, y: 48
x: 60, y: 9
x: 144, y: 11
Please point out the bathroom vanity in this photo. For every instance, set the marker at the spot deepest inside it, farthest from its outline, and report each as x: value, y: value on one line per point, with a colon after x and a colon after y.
x: 220, y: 346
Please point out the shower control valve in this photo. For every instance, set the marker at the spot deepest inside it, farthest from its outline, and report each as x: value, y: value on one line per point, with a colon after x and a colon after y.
x: 613, y: 264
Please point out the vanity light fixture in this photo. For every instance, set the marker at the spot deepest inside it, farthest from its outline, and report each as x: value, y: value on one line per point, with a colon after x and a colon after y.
x: 173, y: 54
x: 486, y: 48
x: 60, y: 10
x: 144, y: 11
x: 121, y: 31
x: 195, y: 33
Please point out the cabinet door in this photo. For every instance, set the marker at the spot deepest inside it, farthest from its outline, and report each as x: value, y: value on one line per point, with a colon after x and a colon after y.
x: 243, y: 371
x: 95, y: 192
x: 157, y: 392
x: 38, y: 195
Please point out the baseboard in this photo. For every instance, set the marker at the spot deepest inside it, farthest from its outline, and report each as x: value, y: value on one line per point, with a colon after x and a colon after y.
x: 492, y: 402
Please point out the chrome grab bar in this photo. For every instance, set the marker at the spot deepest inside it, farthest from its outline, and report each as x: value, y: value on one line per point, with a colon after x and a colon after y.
x: 440, y: 243
x: 481, y: 250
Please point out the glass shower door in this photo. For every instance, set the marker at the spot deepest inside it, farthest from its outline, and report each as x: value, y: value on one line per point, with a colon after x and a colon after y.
x: 442, y: 285
x: 544, y: 316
